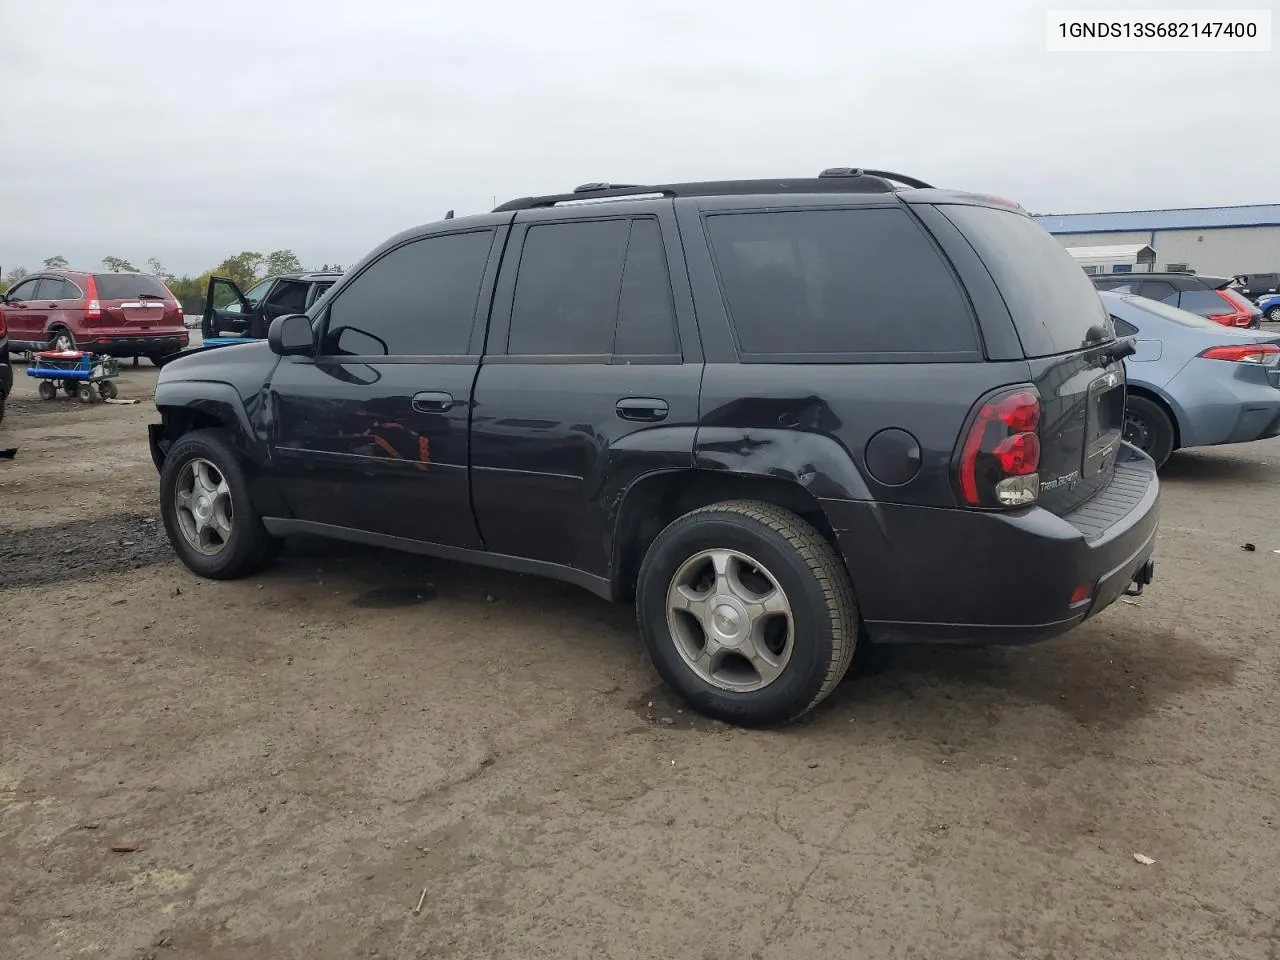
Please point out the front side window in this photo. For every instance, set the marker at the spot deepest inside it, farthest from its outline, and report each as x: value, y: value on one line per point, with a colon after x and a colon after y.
x: 566, y: 295
x: 416, y: 300
x: 854, y: 281
x: 26, y: 290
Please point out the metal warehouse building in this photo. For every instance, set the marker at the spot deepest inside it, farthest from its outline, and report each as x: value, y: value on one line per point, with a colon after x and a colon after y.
x: 1221, y: 241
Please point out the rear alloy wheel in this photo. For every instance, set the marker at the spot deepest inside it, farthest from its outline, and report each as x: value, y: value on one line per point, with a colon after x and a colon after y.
x: 1148, y: 428
x: 747, y: 612
x: 1273, y: 314
x: 61, y: 339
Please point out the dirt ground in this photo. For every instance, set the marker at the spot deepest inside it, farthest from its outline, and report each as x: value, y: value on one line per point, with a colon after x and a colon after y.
x: 302, y: 757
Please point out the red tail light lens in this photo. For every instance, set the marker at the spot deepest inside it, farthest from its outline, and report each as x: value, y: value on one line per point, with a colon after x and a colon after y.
x: 1000, y: 456
x: 1237, y: 316
x: 92, y: 308
x: 1265, y: 353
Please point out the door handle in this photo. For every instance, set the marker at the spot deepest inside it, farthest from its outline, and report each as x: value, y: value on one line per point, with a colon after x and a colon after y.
x: 648, y: 409
x: 432, y: 401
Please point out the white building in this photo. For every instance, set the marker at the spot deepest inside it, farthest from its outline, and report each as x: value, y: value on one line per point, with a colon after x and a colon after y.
x: 1219, y: 241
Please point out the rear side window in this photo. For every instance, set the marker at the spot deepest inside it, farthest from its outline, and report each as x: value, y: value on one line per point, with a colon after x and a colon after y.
x: 1052, y: 302
x: 1158, y: 290
x: 817, y: 283
x: 417, y: 300
x: 1206, y: 303
x: 646, y: 319
x: 128, y: 286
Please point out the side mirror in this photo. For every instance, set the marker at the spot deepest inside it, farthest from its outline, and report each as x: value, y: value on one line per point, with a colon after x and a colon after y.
x: 292, y: 336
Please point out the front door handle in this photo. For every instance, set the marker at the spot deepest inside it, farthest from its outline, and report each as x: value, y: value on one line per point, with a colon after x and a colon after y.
x: 432, y: 401
x: 647, y: 409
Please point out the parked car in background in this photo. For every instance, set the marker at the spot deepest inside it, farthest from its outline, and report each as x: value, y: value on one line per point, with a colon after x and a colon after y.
x: 1207, y: 296
x: 6, y: 368
x: 780, y: 414
x: 1270, y: 307
x: 1255, y: 285
x: 1193, y: 383
x: 119, y: 314
x: 230, y: 311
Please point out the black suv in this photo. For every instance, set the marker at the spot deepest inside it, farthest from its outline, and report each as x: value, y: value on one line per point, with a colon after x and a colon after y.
x: 227, y: 309
x: 781, y: 415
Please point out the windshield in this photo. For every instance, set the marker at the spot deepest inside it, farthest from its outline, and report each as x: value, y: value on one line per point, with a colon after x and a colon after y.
x: 258, y: 291
x: 1183, y: 317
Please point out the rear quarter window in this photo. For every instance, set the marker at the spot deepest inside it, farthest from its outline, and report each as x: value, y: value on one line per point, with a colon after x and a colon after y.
x: 830, y: 284
x: 1052, y: 302
x: 129, y: 286
x: 1207, y: 303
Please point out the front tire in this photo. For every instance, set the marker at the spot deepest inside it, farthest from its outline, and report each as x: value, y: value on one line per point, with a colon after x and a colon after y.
x: 204, y: 501
x: 747, y: 612
x: 1148, y: 427
x: 1273, y: 314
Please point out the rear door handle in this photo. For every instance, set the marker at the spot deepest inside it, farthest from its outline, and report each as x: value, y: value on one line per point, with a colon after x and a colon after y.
x: 641, y: 408
x: 432, y: 401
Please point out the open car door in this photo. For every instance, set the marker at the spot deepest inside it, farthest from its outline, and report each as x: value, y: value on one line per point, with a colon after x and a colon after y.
x: 226, y: 310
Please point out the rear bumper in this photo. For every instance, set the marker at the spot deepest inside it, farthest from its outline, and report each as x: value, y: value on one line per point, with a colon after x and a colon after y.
x: 929, y: 575
x: 128, y: 345
x: 1226, y: 402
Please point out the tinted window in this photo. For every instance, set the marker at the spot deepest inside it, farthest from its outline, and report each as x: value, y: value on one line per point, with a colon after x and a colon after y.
x: 128, y: 286
x: 838, y: 281
x: 1123, y: 327
x: 566, y: 295
x: 646, y: 320
x: 417, y: 300
x: 1206, y: 303
x: 1182, y: 317
x: 1115, y: 286
x: 1158, y: 290
x: 26, y: 290
x: 55, y: 288
x: 289, y: 296
x: 1052, y: 302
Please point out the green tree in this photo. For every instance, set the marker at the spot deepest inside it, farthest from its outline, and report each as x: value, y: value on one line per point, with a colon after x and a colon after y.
x: 15, y: 275
x: 245, y: 268
x: 118, y: 265
x: 56, y: 263
x: 283, y: 261
x: 156, y: 267
x: 190, y: 292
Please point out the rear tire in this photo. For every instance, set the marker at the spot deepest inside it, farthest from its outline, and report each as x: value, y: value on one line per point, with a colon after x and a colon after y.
x: 1148, y: 427
x: 747, y: 612
x: 47, y: 390
x: 1273, y: 314
x: 60, y: 338
x: 107, y: 390
x: 205, y: 459
x: 157, y: 359
x: 85, y: 392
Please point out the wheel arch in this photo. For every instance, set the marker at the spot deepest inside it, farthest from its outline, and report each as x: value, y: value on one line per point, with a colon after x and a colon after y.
x: 654, y: 500
x: 1160, y: 399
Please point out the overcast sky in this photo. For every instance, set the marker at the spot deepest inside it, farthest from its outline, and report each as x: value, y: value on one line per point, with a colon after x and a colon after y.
x: 193, y: 130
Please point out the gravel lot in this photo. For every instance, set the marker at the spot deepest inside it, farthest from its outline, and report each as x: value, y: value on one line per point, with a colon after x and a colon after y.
x: 301, y: 757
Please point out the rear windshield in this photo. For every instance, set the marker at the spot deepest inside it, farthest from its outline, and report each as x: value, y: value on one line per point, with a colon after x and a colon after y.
x: 808, y: 283
x: 1207, y: 303
x: 1182, y: 317
x: 129, y: 286
x: 1052, y: 302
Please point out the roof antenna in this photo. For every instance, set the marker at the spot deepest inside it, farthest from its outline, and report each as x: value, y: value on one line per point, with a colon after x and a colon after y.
x: 449, y: 215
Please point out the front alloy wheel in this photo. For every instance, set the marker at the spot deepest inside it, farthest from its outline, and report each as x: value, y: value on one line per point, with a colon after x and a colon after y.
x: 202, y: 502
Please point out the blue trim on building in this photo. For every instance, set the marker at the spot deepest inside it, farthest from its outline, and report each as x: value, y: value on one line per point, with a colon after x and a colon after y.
x: 1152, y: 221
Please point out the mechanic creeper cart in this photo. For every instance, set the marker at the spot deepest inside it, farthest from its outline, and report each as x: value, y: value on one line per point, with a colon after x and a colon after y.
x: 78, y: 372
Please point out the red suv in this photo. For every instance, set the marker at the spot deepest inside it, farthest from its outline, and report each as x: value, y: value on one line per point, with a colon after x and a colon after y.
x: 121, y: 314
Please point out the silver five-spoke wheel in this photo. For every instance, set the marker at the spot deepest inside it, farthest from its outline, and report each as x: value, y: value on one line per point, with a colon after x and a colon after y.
x: 731, y: 620
x: 202, y: 499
